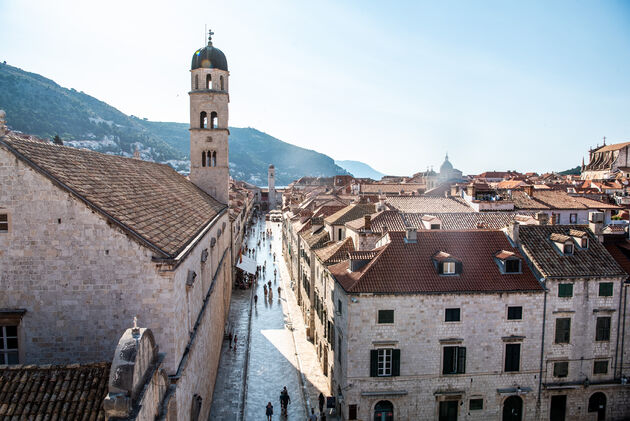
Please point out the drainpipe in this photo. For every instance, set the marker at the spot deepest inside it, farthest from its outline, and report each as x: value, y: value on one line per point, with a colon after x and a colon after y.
x: 618, y: 328
x: 542, y: 344
x: 623, y: 333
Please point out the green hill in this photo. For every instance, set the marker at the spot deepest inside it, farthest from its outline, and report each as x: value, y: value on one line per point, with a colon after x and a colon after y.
x: 37, y: 105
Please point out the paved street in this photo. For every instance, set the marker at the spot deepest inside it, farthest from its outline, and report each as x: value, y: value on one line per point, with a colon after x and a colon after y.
x: 268, y: 357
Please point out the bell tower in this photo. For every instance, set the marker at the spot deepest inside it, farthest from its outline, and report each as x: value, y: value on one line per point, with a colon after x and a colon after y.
x: 209, y: 99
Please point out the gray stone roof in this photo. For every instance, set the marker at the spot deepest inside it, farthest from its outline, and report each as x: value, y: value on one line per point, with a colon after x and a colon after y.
x: 431, y: 205
x: 593, y: 261
x: 151, y: 202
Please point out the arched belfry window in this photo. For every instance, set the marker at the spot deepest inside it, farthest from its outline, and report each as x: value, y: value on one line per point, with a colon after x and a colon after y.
x: 203, y: 120
x: 203, y: 158
x: 209, y: 81
x: 221, y: 79
x: 214, y: 120
x: 214, y: 159
x: 196, y: 81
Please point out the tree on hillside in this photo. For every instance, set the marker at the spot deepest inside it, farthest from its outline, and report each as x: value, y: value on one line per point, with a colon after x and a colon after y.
x: 57, y: 140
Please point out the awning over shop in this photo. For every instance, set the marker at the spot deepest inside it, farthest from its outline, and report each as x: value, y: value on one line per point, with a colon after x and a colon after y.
x: 247, y: 264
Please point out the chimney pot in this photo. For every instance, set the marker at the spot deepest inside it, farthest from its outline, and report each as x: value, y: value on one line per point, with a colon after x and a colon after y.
x: 368, y: 222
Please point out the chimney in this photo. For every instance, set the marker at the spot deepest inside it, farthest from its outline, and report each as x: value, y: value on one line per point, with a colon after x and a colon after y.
x: 529, y: 190
x: 381, y: 203
x: 596, y: 224
x: 411, y: 235
x: 3, y: 122
x: 542, y: 218
x: 454, y: 190
x: 367, y: 222
x: 513, y: 232
x: 470, y: 190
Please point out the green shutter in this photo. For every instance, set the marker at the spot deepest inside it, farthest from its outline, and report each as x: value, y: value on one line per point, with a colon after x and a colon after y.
x: 565, y: 290
x: 396, y: 362
x: 458, y: 268
x: 373, y: 363
x: 605, y: 289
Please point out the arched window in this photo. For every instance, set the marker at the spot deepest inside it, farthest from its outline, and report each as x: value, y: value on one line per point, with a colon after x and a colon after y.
x: 214, y: 120
x: 384, y: 411
x: 221, y: 79
x: 196, y: 81
x: 214, y: 159
x: 203, y: 120
x: 203, y: 158
x: 597, y: 403
x: 209, y: 81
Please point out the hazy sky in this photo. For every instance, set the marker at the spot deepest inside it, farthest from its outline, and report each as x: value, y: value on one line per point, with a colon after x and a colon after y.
x: 498, y: 85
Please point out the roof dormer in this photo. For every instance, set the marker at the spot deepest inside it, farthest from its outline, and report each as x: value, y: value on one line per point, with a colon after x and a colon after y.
x: 580, y: 237
x: 508, y: 262
x: 431, y: 222
x: 563, y: 243
x: 446, y: 264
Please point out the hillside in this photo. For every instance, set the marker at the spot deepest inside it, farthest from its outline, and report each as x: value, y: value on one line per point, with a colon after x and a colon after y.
x: 37, y: 105
x: 360, y: 169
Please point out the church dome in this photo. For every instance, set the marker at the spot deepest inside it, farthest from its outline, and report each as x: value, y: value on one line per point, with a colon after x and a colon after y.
x: 446, y: 165
x: 209, y: 57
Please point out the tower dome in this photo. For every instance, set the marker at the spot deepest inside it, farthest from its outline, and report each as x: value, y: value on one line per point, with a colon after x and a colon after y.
x: 209, y: 57
x: 446, y: 165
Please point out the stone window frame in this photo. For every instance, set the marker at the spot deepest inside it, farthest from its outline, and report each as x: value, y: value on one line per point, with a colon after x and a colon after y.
x: 459, y: 359
x: 606, y: 289
x: 5, y: 214
x: 513, y: 319
x: 385, y: 362
x: 602, y: 333
x: 561, y: 369
x: 459, y: 315
x: 378, y: 316
x: 13, y: 317
x: 566, y: 286
x: 477, y: 399
x: 556, y: 334
x: 601, y: 360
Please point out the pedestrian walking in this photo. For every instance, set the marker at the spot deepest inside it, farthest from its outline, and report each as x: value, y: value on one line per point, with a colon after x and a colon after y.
x: 313, y: 417
x: 269, y: 283
x: 255, y: 299
x: 321, y: 400
x: 285, y: 400
x: 235, y: 338
x: 230, y: 338
x: 269, y: 411
x: 279, y: 289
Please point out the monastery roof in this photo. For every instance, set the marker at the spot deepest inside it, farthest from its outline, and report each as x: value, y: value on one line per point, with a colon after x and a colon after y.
x: 431, y: 205
x: 613, y: 147
x: 402, y: 267
x: 70, y: 392
x: 335, y: 252
x: 349, y: 213
x: 149, y: 201
x: 594, y: 261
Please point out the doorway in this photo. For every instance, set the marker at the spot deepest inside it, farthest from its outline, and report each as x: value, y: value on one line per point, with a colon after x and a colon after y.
x: 448, y: 410
x: 597, y: 403
x: 513, y: 409
x: 558, y: 408
x: 384, y: 411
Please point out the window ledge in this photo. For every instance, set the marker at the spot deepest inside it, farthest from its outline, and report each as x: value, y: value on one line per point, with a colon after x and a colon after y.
x: 384, y: 343
x: 513, y: 338
x: 451, y: 341
x: 562, y: 310
x: 604, y: 310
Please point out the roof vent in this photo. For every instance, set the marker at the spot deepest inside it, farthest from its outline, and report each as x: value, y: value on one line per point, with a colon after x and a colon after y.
x: 411, y: 235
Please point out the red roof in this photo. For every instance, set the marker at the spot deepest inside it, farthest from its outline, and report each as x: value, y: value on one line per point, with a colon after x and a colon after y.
x: 406, y: 267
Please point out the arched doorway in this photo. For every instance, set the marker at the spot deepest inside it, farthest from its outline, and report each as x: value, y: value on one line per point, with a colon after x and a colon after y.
x: 513, y: 409
x: 384, y: 411
x: 597, y: 403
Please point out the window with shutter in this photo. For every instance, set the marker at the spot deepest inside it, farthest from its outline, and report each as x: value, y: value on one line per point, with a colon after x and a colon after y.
x: 386, y: 316
x: 561, y: 369
x: 452, y: 315
x: 396, y: 362
x: 602, y: 330
x: 515, y: 313
x: 565, y: 290
x: 600, y: 367
x: 512, y: 357
x: 563, y: 331
x: 4, y: 222
x: 605, y: 289
x: 374, y: 363
x: 454, y: 360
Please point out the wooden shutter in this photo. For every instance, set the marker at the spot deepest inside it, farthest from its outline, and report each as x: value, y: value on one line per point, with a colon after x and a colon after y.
x: 461, y: 359
x: 373, y: 363
x: 396, y: 362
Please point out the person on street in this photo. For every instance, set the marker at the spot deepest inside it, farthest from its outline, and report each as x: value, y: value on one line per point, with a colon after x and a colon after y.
x: 230, y: 338
x: 269, y: 411
x: 322, y: 401
x: 255, y: 299
x: 235, y: 338
x: 285, y: 400
x: 313, y: 417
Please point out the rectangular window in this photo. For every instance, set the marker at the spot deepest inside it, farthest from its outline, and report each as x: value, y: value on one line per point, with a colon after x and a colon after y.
x: 512, y: 266
x: 561, y: 369
x: 605, y: 289
x: 515, y: 313
x: 512, y: 357
x: 475, y: 404
x: 4, y: 222
x: 9, y: 345
x: 563, y: 330
x: 602, y: 330
x: 565, y: 290
x: 555, y: 217
x: 448, y: 268
x: 454, y: 360
x: 573, y: 218
x: 600, y: 367
x: 386, y: 316
x: 452, y: 315
x: 352, y: 412
x: 448, y: 410
x: 384, y: 362
x: 339, y: 307
x: 568, y: 248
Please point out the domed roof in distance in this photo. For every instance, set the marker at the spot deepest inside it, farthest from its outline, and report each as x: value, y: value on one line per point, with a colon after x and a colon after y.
x: 446, y: 165
x: 209, y: 57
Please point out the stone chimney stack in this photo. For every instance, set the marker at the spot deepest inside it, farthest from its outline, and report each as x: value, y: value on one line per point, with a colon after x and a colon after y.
x: 454, y: 190
x: 542, y: 218
x: 470, y: 190
x: 596, y: 224
x: 529, y: 190
x: 513, y: 232
x: 3, y: 122
x: 411, y: 235
x: 367, y: 222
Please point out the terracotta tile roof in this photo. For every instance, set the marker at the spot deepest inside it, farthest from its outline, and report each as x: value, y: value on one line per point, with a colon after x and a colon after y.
x: 593, y: 261
x: 614, y: 147
x: 363, y: 254
x: 619, y: 249
x: 315, y: 239
x: 577, y: 233
x: 335, y: 252
x: 504, y: 254
x: 349, y: 213
x: 401, y: 267
x: 438, y: 191
x: 393, y: 188
x: 71, y: 392
x: 595, y: 204
x: 523, y: 201
x: 426, y: 204
x: 393, y: 220
x: 327, y: 210
x: 467, y: 220
x: 150, y: 201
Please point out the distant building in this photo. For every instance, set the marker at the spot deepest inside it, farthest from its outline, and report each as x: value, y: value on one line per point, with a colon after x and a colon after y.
x: 606, y: 161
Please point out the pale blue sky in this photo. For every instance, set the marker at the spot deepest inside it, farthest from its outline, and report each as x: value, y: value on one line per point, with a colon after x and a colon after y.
x: 498, y: 85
